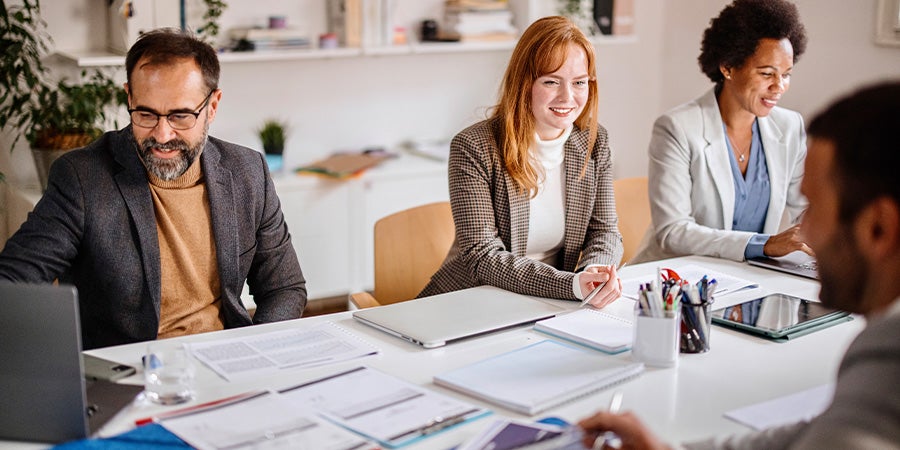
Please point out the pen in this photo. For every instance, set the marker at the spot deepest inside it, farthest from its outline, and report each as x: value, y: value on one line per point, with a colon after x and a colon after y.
x: 614, y: 406
x: 190, y: 409
x: 598, y: 288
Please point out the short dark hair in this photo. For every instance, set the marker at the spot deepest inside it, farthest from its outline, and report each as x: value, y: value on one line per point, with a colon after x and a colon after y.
x: 733, y: 36
x: 163, y: 45
x: 863, y: 129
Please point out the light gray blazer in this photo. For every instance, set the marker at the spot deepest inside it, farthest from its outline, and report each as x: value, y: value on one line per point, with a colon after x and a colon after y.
x: 692, y: 189
x: 865, y: 411
x: 491, y: 218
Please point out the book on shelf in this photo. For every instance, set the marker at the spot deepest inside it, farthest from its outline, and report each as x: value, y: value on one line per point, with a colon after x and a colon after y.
x: 477, y: 5
x: 623, y: 17
x: 492, y: 21
x: 591, y: 327
x: 471, y: 24
x: 271, y: 38
x: 345, y: 19
x: 538, y: 377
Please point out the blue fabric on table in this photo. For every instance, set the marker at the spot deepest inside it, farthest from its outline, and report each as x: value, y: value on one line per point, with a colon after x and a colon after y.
x: 150, y: 436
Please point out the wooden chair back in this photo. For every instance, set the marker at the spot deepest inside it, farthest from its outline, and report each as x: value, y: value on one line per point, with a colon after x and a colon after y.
x: 410, y: 246
x: 633, y: 210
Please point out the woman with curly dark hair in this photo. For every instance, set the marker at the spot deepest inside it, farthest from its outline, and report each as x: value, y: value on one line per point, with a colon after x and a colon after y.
x: 725, y: 169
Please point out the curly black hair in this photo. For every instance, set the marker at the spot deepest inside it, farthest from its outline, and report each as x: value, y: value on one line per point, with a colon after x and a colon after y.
x: 733, y: 36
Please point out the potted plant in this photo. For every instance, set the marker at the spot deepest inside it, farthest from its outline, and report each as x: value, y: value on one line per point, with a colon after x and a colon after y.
x: 52, y: 116
x: 273, y: 133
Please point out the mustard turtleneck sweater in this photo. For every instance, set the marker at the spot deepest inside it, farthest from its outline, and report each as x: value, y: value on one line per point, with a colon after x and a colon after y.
x: 189, y: 282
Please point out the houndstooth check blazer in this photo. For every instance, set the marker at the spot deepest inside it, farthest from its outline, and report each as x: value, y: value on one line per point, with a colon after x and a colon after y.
x: 491, y: 218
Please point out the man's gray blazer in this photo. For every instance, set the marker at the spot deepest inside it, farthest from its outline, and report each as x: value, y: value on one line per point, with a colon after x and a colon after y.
x: 95, y: 227
x: 865, y: 411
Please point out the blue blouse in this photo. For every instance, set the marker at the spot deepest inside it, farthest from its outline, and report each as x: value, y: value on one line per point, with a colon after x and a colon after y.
x: 751, y: 194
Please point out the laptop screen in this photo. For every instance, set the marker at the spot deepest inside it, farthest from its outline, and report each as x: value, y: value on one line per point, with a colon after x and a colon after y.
x: 42, y: 385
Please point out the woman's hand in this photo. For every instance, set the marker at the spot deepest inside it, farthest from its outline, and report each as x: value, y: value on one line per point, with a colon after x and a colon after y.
x: 600, y: 275
x: 787, y: 241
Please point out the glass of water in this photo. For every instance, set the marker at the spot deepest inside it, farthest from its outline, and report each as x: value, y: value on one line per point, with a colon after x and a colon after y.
x: 168, y: 373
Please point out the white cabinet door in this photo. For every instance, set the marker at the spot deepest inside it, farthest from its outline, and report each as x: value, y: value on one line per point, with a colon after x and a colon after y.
x: 317, y: 216
x: 404, y: 185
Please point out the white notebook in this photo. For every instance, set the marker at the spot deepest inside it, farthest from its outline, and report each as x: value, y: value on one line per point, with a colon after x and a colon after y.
x: 538, y: 377
x: 593, y: 328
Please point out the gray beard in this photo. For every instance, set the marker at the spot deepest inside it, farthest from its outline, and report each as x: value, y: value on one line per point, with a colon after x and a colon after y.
x: 170, y: 169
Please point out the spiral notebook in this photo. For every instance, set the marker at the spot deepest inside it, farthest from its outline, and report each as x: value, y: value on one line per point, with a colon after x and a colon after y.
x: 538, y: 377
x: 593, y: 328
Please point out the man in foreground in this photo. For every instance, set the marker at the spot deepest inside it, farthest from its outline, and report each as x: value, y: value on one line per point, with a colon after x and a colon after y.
x: 853, y: 225
x: 157, y: 224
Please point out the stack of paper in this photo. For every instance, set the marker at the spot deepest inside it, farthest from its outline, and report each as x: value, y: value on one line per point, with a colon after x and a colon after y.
x: 266, y: 353
x: 593, y: 328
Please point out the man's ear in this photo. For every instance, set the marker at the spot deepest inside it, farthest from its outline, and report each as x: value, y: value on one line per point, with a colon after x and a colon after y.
x: 877, y: 228
x: 127, y: 92
x: 214, y: 104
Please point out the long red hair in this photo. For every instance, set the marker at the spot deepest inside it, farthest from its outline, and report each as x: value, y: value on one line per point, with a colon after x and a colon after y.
x: 541, y: 50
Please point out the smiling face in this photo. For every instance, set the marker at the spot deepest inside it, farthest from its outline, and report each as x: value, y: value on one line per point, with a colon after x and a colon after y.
x: 558, y: 98
x: 169, y: 88
x: 757, y: 86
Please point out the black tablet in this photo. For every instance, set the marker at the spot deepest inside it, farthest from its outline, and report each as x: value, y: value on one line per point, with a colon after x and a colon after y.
x: 776, y: 315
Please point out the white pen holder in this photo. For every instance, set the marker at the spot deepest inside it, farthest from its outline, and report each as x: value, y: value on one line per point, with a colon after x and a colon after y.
x: 656, y: 340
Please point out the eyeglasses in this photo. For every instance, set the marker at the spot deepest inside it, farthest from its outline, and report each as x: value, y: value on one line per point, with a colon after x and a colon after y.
x: 181, y: 120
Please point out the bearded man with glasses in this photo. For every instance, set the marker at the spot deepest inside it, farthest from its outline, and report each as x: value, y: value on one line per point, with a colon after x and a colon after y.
x: 159, y: 225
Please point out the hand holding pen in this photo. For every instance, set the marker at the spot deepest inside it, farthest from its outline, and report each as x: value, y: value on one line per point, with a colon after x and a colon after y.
x: 600, y: 297
x: 627, y: 427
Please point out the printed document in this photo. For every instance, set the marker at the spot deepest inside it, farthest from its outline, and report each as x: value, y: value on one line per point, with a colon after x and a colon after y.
x: 266, y: 353
x: 803, y: 405
x: 380, y: 406
x: 265, y: 421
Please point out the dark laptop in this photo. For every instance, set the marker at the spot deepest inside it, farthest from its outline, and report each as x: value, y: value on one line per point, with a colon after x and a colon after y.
x: 44, y: 393
x: 796, y: 263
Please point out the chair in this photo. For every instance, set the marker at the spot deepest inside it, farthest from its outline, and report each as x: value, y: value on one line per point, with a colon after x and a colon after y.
x: 410, y: 246
x: 633, y: 209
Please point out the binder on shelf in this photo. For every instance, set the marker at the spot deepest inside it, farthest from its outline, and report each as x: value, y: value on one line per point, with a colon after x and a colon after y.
x: 538, y: 377
x: 623, y: 17
x: 592, y: 328
x: 603, y: 16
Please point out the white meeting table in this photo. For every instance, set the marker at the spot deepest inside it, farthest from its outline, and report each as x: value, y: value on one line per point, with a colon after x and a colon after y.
x: 681, y: 403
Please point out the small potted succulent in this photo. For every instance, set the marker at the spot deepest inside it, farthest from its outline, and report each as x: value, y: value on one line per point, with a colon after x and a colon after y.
x: 273, y: 134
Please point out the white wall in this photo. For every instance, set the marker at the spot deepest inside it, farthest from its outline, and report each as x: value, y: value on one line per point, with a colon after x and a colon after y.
x: 840, y: 53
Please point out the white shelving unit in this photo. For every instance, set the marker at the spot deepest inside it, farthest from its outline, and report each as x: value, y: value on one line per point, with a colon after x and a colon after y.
x: 99, y: 58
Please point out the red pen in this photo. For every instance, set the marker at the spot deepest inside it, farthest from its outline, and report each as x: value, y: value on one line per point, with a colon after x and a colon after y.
x: 194, y: 408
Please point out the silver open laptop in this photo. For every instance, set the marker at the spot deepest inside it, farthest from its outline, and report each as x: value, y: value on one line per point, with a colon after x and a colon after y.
x: 435, y: 321
x: 43, y: 391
